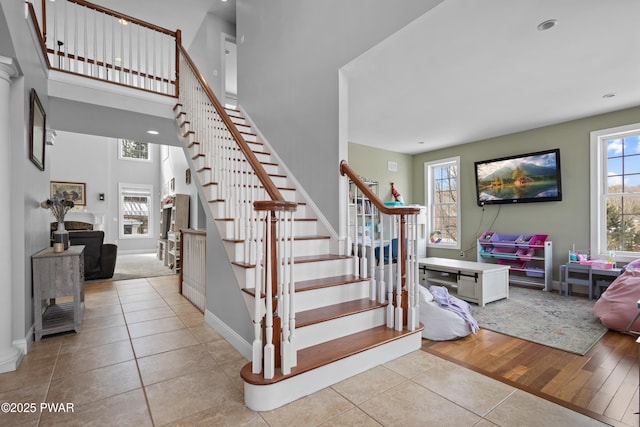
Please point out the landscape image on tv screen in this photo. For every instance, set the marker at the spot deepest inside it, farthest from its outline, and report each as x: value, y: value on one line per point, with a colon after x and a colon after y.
x: 533, y: 177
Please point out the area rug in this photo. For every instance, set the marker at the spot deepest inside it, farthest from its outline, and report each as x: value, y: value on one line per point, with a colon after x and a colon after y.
x: 139, y: 266
x: 565, y: 323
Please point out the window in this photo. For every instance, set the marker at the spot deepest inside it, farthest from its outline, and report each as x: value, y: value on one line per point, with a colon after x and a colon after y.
x: 615, y: 192
x: 136, y: 207
x: 134, y: 150
x: 443, y: 202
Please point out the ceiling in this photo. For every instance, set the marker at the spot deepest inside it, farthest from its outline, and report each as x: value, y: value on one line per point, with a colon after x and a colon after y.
x: 470, y: 70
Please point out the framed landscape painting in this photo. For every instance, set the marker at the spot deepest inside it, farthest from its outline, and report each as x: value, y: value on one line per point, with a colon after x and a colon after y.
x: 76, y: 191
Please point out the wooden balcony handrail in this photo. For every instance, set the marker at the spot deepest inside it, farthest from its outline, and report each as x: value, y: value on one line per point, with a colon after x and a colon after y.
x: 109, y: 12
x: 345, y: 169
x: 262, y: 175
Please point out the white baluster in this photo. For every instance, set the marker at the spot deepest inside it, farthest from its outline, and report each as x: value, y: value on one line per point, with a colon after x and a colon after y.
x: 257, y: 316
x: 390, y: 306
x: 285, y: 238
x: 398, y: 312
x: 381, y: 282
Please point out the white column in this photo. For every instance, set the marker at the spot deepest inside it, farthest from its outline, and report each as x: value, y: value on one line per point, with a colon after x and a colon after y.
x: 10, y: 356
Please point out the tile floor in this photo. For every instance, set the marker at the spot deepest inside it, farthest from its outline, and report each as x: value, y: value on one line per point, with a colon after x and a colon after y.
x: 145, y: 357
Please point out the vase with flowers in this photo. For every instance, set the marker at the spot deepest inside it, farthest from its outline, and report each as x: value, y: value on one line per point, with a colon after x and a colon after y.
x: 59, y: 205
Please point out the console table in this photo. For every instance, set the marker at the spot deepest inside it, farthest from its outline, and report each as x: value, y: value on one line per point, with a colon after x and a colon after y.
x: 57, y: 275
x: 475, y: 282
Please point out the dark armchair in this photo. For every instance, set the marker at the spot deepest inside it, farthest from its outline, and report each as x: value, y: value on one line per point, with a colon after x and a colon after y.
x: 99, y: 257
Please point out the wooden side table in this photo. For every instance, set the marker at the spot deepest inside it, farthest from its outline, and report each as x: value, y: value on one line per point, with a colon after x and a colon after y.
x: 57, y: 275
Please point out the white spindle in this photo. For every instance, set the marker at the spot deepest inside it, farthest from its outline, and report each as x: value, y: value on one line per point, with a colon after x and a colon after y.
x: 257, y: 316
x: 381, y: 282
x: 391, y: 283
x: 398, y: 312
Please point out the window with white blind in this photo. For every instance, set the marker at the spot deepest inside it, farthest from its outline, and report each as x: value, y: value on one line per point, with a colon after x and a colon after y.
x: 443, y: 201
x: 136, y: 211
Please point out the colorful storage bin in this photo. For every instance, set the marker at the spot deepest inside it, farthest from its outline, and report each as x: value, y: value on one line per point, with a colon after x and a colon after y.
x: 504, y: 238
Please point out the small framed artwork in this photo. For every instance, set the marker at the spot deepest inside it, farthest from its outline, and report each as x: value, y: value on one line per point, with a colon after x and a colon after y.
x: 187, y: 176
x: 37, y: 119
x: 172, y: 184
x: 75, y: 191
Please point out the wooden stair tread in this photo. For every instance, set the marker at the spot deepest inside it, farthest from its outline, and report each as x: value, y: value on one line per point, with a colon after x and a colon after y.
x: 331, y: 351
x: 321, y: 257
x: 335, y: 311
x: 301, y: 259
x: 325, y: 282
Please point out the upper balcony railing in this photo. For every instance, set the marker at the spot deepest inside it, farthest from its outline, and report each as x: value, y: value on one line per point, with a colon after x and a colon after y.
x: 83, y: 38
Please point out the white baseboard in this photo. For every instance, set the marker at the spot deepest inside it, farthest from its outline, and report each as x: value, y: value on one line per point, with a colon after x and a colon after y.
x: 24, y: 344
x: 229, y: 334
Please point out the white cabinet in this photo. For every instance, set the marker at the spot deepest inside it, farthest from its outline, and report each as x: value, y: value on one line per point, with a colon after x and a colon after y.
x: 474, y: 282
x: 529, y: 256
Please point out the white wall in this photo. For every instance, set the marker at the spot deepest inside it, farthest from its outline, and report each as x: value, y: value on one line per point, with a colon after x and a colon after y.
x: 289, y: 56
x: 207, y: 50
x: 29, y: 227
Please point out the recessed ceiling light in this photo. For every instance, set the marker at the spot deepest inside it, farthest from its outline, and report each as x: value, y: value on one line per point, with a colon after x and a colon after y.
x: 420, y: 142
x: 609, y: 95
x: 547, y: 25
x: 153, y: 132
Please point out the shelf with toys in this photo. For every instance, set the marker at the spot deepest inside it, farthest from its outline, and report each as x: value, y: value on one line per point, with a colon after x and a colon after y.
x: 529, y: 256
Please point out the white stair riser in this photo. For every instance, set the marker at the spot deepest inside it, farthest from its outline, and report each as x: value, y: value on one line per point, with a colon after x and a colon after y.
x: 205, y: 175
x: 263, y: 157
x: 268, y: 397
x: 256, y: 147
x: 271, y: 168
x: 194, y: 150
x: 301, y: 271
x: 218, y: 210
x: 300, y: 228
x: 300, y: 247
x: 311, y: 247
x: 210, y: 191
x: 249, y: 137
x: 289, y: 195
x: 320, y: 269
x: 316, y: 298
x: 235, y: 251
x: 279, y: 181
x: 199, y: 162
x: 237, y: 120
x: 243, y: 127
x: 340, y: 327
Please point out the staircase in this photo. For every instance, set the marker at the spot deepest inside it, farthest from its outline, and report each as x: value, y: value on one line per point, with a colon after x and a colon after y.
x: 337, y: 325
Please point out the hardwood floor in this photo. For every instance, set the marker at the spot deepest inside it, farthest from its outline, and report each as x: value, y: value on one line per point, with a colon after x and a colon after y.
x: 602, y: 384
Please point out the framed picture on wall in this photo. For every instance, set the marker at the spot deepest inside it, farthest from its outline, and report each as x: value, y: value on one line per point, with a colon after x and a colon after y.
x: 76, y: 191
x: 37, y: 118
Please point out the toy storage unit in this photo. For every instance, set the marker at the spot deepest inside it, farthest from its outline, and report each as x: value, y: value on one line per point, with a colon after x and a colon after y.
x: 529, y: 256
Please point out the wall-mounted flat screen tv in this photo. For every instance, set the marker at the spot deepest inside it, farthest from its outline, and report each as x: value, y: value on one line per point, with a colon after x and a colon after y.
x: 532, y: 177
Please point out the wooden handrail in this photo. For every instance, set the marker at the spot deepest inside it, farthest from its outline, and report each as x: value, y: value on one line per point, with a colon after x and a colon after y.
x: 264, y: 178
x: 123, y: 16
x: 345, y: 169
x: 34, y: 19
